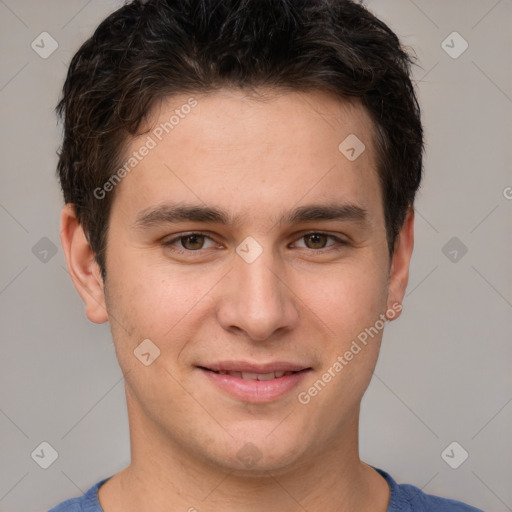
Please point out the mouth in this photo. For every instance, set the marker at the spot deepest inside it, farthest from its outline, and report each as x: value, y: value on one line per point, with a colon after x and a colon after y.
x: 255, y: 383
x: 253, y: 376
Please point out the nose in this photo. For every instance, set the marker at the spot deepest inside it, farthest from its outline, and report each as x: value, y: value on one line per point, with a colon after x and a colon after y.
x: 258, y: 299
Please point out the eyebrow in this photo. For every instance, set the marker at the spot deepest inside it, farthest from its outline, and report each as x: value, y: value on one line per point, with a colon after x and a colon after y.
x: 173, y: 213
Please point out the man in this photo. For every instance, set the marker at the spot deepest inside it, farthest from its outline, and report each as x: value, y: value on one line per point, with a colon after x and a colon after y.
x: 239, y: 179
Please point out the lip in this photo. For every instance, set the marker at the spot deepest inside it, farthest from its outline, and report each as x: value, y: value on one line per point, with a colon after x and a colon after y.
x: 245, y: 366
x: 255, y: 391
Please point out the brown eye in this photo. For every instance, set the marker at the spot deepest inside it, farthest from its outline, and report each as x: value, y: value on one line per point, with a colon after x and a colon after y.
x: 192, y: 242
x: 189, y: 242
x: 316, y: 240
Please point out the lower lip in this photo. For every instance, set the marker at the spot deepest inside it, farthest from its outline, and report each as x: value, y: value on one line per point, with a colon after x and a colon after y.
x: 255, y: 391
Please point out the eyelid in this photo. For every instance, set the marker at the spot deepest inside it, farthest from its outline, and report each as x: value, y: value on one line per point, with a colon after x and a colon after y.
x: 179, y: 236
x: 339, y: 241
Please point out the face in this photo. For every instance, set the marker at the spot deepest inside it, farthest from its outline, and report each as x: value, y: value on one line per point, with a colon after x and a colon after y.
x: 250, y: 248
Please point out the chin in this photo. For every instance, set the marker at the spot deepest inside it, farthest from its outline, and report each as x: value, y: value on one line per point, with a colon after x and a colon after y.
x: 259, y: 451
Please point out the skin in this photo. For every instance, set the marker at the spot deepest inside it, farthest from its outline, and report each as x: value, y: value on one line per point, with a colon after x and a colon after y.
x: 299, y: 301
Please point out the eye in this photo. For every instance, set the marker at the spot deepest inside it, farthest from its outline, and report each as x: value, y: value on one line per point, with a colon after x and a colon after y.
x: 189, y: 242
x: 194, y: 242
x: 318, y: 240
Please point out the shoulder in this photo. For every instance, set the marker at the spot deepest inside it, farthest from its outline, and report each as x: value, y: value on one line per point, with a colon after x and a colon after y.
x: 409, y: 498
x: 88, y: 502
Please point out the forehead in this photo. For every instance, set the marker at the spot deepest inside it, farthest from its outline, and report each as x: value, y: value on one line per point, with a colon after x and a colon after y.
x: 250, y: 151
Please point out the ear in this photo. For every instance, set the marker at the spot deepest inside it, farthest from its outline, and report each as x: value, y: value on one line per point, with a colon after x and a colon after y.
x: 399, y: 270
x: 84, y: 270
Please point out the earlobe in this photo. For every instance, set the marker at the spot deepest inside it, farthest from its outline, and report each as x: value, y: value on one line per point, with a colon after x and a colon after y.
x: 82, y: 266
x: 399, y: 271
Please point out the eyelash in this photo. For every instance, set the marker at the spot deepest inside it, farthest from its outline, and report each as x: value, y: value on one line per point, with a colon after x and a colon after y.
x: 181, y: 250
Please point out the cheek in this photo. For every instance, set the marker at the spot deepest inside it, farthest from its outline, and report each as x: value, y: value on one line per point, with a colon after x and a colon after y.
x: 350, y: 304
x: 155, y: 301
x: 350, y: 298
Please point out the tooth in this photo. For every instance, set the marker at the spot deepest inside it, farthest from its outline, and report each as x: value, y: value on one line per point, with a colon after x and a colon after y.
x: 288, y: 373
x: 238, y: 375
x: 279, y: 374
x: 249, y: 376
x: 266, y: 376
x: 222, y: 372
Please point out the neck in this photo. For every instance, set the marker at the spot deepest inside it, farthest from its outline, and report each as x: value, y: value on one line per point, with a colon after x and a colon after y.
x: 163, y: 475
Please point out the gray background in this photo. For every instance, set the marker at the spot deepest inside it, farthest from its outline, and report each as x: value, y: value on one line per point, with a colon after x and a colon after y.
x: 444, y: 370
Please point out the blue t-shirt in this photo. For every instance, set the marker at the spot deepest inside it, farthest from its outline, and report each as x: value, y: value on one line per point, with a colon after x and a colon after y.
x: 403, y: 498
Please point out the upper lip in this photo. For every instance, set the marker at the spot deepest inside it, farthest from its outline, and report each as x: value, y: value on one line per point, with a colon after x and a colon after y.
x: 245, y: 366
